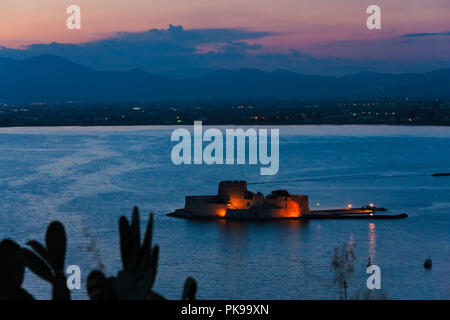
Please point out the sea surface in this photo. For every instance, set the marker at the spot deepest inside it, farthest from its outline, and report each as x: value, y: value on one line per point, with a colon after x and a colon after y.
x: 88, y: 177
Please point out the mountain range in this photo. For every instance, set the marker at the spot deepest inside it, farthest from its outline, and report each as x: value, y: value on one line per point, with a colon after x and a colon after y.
x: 48, y: 78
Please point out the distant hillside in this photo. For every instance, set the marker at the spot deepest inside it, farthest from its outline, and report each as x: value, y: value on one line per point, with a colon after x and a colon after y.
x: 55, y: 79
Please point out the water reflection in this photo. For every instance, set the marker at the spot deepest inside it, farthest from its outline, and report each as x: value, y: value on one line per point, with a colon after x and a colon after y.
x: 372, y: 236
x: 242, y: 233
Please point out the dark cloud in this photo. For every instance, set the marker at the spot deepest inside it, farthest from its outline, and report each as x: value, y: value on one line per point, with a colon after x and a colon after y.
x: 193, y: 37
x: 426, y: 34
x: 173, y: 51
x: 178, y: 52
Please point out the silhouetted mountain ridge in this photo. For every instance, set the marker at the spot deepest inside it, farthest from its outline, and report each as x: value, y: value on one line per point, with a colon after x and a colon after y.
x: 55, y: 79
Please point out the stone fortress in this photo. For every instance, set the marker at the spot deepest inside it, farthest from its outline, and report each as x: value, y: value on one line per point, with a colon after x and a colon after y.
x: 234, y: 201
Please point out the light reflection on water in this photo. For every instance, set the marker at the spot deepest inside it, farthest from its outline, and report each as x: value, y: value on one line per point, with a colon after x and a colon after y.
x: 372, y: 235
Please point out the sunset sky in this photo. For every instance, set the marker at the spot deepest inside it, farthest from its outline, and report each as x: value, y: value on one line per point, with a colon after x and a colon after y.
x: 412, y: 30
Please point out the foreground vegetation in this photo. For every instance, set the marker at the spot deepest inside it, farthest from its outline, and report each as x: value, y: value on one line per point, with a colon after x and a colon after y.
x: 134, y: 282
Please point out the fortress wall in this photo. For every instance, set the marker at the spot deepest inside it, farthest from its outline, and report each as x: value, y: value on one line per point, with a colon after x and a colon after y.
x: 289, y: 206
x: 205, y: 206
x: 303, y: 202
x: 279, y: 205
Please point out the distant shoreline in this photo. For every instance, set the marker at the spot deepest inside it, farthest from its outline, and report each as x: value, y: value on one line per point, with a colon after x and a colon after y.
x: 284, y: 130
x: 268, y: 124
x: 409, y: 112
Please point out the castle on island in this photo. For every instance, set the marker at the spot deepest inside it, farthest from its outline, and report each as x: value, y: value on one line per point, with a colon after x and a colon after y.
x: 235, y: 201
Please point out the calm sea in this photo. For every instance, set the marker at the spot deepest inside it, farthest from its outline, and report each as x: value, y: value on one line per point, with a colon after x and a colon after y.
x: 88, y: 177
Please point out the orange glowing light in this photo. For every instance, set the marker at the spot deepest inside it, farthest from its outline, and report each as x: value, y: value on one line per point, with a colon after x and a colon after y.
x: 371, y: 205
x: 222, y: 213
x: 349, y: 205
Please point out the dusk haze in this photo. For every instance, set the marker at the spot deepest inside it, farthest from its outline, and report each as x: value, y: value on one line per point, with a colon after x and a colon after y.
x: 312, y: 37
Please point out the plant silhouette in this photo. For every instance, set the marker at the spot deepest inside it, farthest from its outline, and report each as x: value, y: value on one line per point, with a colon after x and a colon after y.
x: 343, y: 263
x: 139, y: 267
x: 12, y: 270
x: 134, y: 282
x: 48, y: 262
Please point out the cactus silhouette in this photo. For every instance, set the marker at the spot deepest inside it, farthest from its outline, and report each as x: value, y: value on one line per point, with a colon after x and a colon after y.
x: 12, y: 271
x: 134, y: 282
x: 189, y: 290
x: 48, y: 262
x: 139, y: 267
